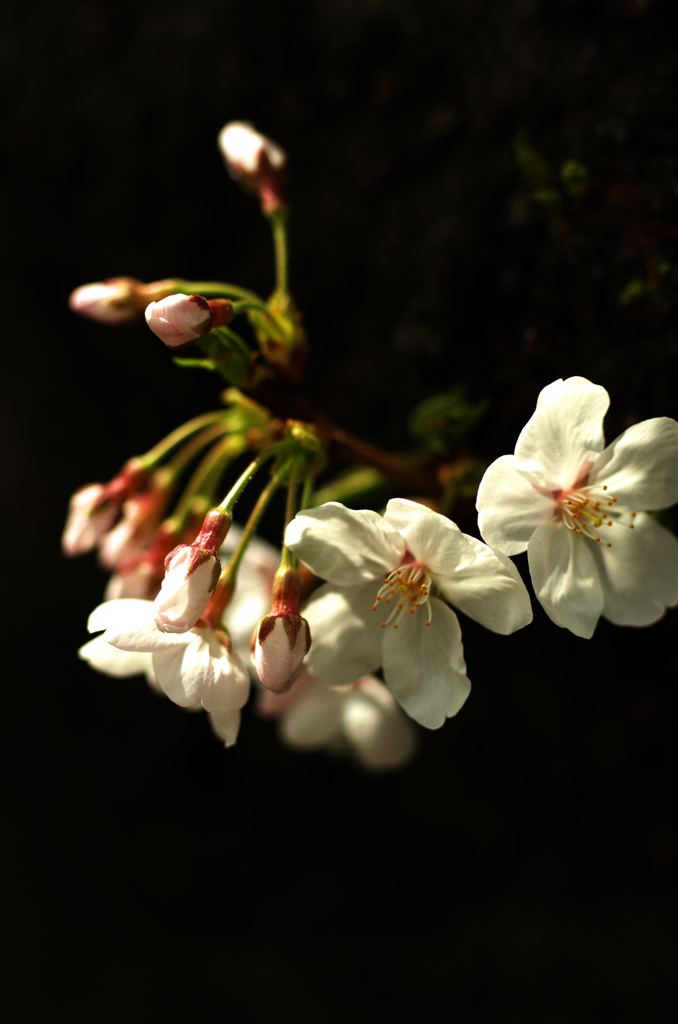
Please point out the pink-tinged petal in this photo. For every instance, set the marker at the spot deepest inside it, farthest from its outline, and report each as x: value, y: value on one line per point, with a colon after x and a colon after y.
x: 90, y: 515
x: 282, y: 642
x: 346, y: 635
x: 509, y: 507
x: 179, y: 319
x: 113, y: 662
x: 432, y: 538
x: 564, y: 434
x: 488, y: 589
x: 344, y: 546
x: 185, y: 590
x: 376, y: 729
x: 565, y: 578
x: 640, y: 468
x: 639, y: 572
x: 226, y: 725
x: 424, y: 666
x: 314, y: 720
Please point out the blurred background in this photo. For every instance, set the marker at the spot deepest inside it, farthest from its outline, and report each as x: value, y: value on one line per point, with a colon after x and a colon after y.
x: 485, y: 195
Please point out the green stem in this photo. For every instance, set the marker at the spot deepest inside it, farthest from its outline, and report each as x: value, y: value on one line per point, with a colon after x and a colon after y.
x: 231, y: 570
x: 206, y: 477
x: 235, y: 493
x: 307, y: 491
x: 278, y: 221
x: 177, y: 437
x: 215, y: 289
x: 200, y: 441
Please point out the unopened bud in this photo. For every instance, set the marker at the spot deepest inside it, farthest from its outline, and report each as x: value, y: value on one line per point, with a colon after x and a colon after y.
x: 90, y: 515
x: 253, y: 160
x: 191, y: 575
x: 179, y: 320
x: 114, y: 301
x: 281, y: 644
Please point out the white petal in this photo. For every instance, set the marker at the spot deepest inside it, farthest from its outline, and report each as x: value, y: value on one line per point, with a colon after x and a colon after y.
x: 226, y: 725
x: 424, y: 666
x: 122, y: 613
x: 344, y: 546
x: 181, y: 688
x: 565, y: 432
x: 639, y: 573
x: 225, y: 682
x: 376, y: 729
x: 641, y: 466
x: 113, y: 662
x: 565, y: 578
x: 314, y: 720
x: 432, y: 538
x: 488, y: 589
x: 346, y: 638
x: 509, y: 508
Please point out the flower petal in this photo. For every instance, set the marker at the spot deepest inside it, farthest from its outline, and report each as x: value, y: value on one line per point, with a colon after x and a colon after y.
x: 346, y: 635
x: 225, y: 682
x: 432, y: 538
x: 105, y: 658
x: 344, y: 546
x: 488, y: 589
x: 122, y: 613
x: 564, y: 433
x: 640, y: 468
x: 509, y: 508
x: 181, y: 688
x: 226, y: 725
x: 565, y: 578
x: 378, y: 732
x: 315, y: 719
x: 639, y: 573
x: 424, y: 666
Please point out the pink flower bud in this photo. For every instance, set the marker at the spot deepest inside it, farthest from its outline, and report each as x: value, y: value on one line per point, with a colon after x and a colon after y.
x: 280, y: 647
x: 114, y: 301
x: 90, y: 515
x: 191, y: 575
x: 179, y: 320
x: 255, y: 161
x: 131, y: 536
x: 184, y: 592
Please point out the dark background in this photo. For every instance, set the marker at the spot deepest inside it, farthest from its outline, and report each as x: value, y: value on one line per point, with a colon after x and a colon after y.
x: 524, y: 868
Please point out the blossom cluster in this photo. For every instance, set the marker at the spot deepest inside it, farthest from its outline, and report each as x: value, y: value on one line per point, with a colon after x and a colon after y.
x: 351, y: 632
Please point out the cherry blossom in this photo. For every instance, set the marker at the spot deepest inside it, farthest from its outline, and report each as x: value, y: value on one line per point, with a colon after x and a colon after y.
x: 194, y: 669
x: 381, y: 607
x: 579, y: 509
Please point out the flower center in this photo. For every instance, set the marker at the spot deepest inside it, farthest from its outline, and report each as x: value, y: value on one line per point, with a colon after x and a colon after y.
x: 407, y: 588
x: 591, y: 512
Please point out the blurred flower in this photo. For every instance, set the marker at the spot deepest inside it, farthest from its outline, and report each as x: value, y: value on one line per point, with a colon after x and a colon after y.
x: 362, y: 719
x: 575, y: 506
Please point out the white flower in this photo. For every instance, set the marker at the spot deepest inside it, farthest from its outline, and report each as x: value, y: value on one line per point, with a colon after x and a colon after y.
x: 90, y: 515
x: 190, y: 577
x: 380, y: 606
x: 194, y: 669
x: 577, y: 507
x: 362, y: 719
x: 244, y: 149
